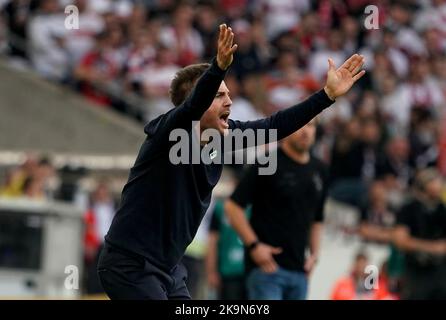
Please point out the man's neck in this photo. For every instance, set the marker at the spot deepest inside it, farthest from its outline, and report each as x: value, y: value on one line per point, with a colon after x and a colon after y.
x: 301, y: 157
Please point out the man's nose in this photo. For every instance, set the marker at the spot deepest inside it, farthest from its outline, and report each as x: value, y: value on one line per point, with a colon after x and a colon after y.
x: 228, y: 102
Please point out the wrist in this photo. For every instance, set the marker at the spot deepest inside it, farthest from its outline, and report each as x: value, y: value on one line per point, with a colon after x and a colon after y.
x: 329, y: 94
x: 252, y: 245
x: 221, y: 65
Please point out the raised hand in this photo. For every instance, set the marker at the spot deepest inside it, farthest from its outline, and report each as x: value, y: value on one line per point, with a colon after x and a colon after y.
x: 225, y: 48
x: 340, y: 80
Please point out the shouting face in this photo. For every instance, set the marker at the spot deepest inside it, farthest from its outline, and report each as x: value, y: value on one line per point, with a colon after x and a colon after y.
x: 217, y: 115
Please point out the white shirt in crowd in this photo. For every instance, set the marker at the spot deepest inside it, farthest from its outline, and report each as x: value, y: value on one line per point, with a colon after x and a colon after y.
x: 243, y: 110
x: 80, y: 41
x: 397, y: 106
x: 284, y: 96
x: 318, y: 64
x: 104, y: 212
x: 192, y: 40
x: 282, y: 15
x: 159, y: 77
x: 47, y: 55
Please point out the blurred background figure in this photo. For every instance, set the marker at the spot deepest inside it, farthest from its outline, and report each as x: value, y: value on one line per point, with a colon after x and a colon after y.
x: 46, y: 38
x: 99, y: 67
x: 31, y: 180
x: 421, y: 234
x: 353, y: 164
x: 352, y: 287
x: 225, y: 267
x: 182, y: 36
x: 98, y: 220
x: 377, y: 218
x: 156, y: 82
x: 358, y: 285
x: 282, y: 236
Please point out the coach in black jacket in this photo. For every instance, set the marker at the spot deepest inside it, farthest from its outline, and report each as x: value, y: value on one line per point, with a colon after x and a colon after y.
x: 162, y: 203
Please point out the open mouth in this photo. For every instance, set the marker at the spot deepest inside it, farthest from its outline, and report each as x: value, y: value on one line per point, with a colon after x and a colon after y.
x: 224, y: 119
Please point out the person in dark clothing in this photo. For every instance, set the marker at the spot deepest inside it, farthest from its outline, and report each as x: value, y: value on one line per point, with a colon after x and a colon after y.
x: 163, y: 203
x: 353, y: 165
x: 286, y: 220
x: 421, y: 234
x: 17, y: 13
x: 377, y: 218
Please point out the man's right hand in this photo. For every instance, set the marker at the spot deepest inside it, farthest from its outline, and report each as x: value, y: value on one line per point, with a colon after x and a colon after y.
x: 225, y: 47
x: 262, y: 255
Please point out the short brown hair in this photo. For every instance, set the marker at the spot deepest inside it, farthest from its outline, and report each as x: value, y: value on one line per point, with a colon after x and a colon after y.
x: 184, y: 81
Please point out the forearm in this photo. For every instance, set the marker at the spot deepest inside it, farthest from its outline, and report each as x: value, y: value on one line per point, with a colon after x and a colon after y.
x: 211, y: 259
x: 414, y: 244
x: 405, y: 242
x: 291, y: 119
x: 375, y: 233
x: 237, y: 219
x: 315, y: 239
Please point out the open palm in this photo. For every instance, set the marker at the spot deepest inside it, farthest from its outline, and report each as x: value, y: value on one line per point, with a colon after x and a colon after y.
x: 340, y: 80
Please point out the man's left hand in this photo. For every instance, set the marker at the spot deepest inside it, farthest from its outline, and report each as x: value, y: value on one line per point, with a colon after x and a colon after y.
x: 340, y: 80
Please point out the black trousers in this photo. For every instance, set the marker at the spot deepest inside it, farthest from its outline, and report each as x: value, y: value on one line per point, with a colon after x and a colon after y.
x: 233, y: 288
x: 127, y: 276
x: 425, y: 284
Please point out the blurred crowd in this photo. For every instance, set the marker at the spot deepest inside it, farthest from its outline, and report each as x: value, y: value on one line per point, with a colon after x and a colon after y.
x: 37, y: 179
x: 374, y: 140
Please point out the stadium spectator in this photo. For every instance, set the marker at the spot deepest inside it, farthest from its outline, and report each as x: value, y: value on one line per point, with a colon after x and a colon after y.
x: 353, y: 164
x: 206, y: 23
x: 357, y: 285
x: 352, y: 286
x: 333, y: 50
x: 16, y: 177
x: 142, y: 53
x: 376, y: 225
x: 182, y: 36
x: 31, y: 179
x: 100, y: 67
x: 423, y: 139
x: 394, y: 106
x: 225, y: 258
x: 47, y: 43
x: 242, y: 109
x: 78, y: 42
x: 156, y: 82
x: 17, y: 13
x: 421, y: 88
x: 287, y: 83
x: 377, y: 220
x: 33, y: 189
x: 248, y: 58
x: 97, y: 220
x: 421, y: 234
x: 281, y: 16
x: 395, y: 169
